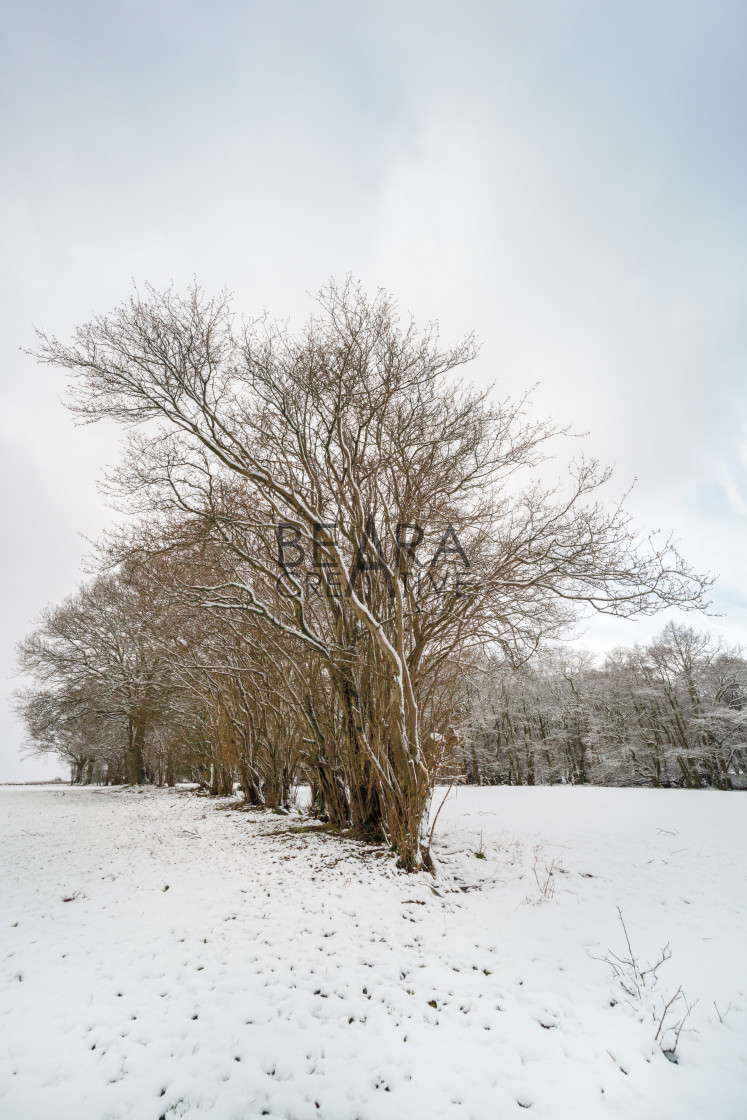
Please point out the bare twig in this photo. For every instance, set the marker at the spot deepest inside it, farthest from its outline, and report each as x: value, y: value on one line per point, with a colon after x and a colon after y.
x: 664, y: 1013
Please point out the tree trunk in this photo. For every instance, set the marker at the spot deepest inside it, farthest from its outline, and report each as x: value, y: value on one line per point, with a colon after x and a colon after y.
x: 136, y: 774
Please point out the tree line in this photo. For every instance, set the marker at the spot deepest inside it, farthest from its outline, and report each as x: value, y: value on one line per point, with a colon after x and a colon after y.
x: 330, y: 533
x: 669, y: 713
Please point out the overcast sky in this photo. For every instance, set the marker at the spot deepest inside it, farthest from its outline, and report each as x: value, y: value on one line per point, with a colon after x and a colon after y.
x: 567, y: 179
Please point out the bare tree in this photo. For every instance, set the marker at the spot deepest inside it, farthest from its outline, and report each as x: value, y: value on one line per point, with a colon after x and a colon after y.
x: 98, y: 667
x: 378, y: 518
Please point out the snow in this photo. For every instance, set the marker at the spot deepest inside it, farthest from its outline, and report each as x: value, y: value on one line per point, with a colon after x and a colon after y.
x: 294, y: 974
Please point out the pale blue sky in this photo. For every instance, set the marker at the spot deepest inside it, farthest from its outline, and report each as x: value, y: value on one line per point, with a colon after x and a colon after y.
x: 568, y: 179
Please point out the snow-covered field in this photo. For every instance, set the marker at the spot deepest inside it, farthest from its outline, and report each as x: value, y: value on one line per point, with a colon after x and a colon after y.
x: 162, y: 958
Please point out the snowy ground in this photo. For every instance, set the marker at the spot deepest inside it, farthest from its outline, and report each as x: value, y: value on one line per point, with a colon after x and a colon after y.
x: 162, y: 958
